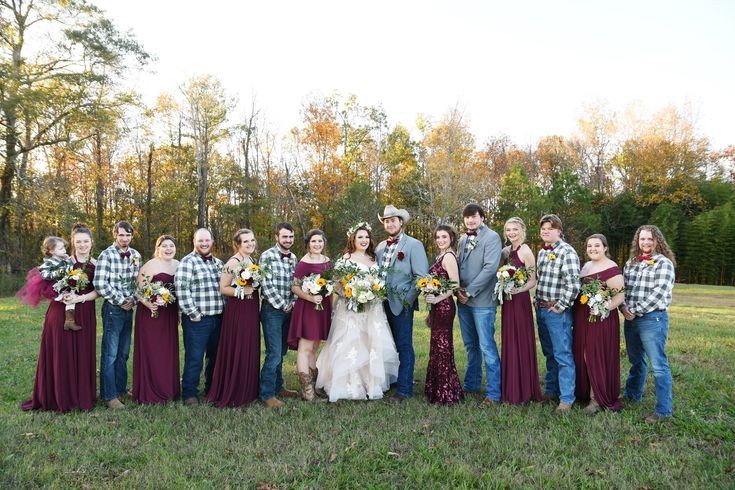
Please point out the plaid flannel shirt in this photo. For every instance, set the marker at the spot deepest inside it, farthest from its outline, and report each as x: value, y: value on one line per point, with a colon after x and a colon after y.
x: 51, y: 268
x: 388, y: 253
x: 648, y: 287
x: 558, y: 279
x: 276, y: 287
x: 116, y: 277
x: 197, y: 286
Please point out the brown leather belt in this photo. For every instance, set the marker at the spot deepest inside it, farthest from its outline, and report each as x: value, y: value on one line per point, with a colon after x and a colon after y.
x: 545, y: 304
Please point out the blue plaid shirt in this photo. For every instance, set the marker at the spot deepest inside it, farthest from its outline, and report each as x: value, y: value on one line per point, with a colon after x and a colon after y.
x: 277, y: 282
x: 557, y: 272
x: 116, y: 277
x: 648, y: 286
x: 197, y: 286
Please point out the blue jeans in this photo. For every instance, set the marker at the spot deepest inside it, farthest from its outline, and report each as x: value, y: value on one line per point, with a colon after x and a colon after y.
x: 200, y: 338
x: 275, y: 333
x: 555, y: 335
x: 646, y: 335
x: 401, y: 326
x: 477, y: 325
x: 117, y: 325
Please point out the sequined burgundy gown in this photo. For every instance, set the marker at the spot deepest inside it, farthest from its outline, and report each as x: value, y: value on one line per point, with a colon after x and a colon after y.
x: 442, y: 382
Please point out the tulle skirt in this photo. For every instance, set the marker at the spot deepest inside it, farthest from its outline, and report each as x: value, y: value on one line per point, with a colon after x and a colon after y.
x: 359, y: 359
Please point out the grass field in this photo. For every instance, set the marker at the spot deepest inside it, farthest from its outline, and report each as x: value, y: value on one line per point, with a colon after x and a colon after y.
x: 378, y: 444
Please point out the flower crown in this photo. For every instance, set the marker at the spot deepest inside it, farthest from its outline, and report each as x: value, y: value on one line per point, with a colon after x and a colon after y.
x: 361, y: 225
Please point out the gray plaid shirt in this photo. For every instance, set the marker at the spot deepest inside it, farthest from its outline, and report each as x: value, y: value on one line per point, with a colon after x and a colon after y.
x: 388, y: 253
x: 197, y: 286
x: 558, y: 279
x: 277, y: 282
x: 116, y: 277
x: 648, y: 287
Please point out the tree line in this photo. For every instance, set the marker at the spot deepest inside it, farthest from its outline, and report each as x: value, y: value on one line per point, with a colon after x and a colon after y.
x: 79, y: 147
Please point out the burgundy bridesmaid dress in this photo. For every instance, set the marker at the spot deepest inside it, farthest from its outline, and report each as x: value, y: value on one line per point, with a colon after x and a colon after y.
x: 597, y: 351
x: 66, y: 374
x: 442, y: 382
x: 237, y: 368
x: 156, y: 352
x: 306, y: 321
x: 519, y: 370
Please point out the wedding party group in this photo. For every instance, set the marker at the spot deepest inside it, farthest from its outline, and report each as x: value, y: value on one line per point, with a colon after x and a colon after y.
x: 351, y: 320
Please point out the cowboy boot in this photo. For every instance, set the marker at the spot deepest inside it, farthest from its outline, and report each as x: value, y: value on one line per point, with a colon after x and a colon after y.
x: 69, y: 323
x: 307, y: 387
x: 317, y: 391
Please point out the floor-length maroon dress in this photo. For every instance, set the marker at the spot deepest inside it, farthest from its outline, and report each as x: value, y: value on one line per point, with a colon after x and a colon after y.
x: 156, y: 352
x: 519, y: 371
x: 237, y: 369
x: 306, y: 321
x: 66, y: 374
x: 442, y: 381
x: 597, y: 351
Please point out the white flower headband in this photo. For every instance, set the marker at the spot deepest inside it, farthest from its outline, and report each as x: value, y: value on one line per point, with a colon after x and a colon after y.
x: 361, y: 225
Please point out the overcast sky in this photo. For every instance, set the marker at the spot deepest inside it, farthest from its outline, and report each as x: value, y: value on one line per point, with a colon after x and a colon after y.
x: 521, y: 68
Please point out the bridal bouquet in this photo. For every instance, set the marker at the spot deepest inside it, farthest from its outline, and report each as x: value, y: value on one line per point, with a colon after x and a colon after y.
x: 246, y: 274
x: 360, y: 286
x: 317, y: 284
x: 72, y: 280
x: 157, y: 292
x: 510, y: 277
x: 596, y: 296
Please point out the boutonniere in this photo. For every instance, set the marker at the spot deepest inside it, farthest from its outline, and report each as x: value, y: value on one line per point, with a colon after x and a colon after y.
x: 291, y: 262
x: 400, y: 256
x: 552, y: 256
x: 134, y: 261
x: 471, y: 242
x: 219, y: 265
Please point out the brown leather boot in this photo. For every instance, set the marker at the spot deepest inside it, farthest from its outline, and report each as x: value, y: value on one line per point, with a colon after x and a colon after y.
x: 317, y: 391
x: 286, y: 393
x: 69, y: 323
x: 307, y: 387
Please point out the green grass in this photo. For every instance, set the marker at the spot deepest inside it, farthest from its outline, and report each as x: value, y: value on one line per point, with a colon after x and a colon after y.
x: 377, y: 444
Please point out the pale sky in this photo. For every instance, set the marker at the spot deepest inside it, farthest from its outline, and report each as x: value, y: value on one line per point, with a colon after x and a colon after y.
x: 521, y: 68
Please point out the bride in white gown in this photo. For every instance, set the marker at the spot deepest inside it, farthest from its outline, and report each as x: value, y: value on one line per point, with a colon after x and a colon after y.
x: 359, y: 359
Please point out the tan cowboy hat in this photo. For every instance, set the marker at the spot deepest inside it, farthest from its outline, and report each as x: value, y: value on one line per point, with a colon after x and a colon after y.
x: 391, y: 211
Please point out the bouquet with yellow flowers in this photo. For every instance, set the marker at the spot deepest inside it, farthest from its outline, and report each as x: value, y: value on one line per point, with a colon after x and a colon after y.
x: 244, y: 274
x: 317, y: 284
x: 156, y: 292
x: 360, y: 286
x: 510, y: 277
x: 597, y: 296
x: 434, y: 284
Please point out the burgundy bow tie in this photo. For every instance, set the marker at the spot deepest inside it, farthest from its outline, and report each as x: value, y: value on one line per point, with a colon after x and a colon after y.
x: 205, y: 258
x: 391, y: 241
x: 125, y: 255
x: 548, y: 247
x: 644, y: 258
x: 472, y: 233
x: 285, y: 256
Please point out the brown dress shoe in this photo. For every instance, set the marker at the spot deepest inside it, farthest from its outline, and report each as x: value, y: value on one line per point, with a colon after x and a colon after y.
x: 592, y: 408
x: 286, y: 393
x: 114, y: 404
x: 273, y: 403
x: 191, y: 401
x: 69, y: 323
x: 488, y: 402
x: 563, y: 408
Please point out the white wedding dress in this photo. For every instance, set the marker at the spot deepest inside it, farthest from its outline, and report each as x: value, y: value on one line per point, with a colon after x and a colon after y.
x: 359, y: 359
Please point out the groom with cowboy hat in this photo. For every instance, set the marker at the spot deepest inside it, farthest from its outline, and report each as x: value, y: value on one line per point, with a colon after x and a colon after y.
x: 406, y: 258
